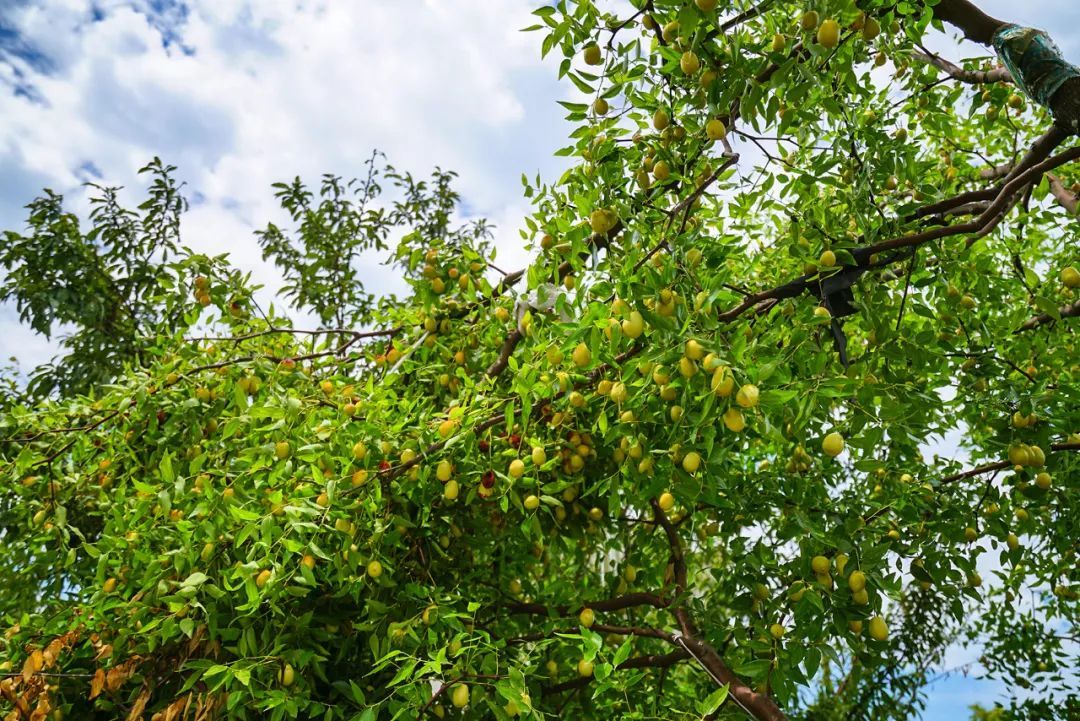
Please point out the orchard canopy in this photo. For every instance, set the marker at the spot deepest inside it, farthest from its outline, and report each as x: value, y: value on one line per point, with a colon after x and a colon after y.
x: 687, y: 464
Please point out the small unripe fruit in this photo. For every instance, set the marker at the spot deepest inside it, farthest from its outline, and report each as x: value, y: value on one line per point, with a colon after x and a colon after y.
x: 689, y: 62
x: 459, y: 695
x: 715, y: 129
x: 833, y: 444
x: 879, y: 631
x: 581, y: 356
x: 828, y: 35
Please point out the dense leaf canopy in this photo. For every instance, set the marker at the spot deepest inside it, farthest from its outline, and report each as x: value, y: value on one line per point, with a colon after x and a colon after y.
x: 689, y: 463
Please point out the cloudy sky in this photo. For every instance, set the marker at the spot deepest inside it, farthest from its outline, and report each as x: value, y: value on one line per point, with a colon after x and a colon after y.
x: 243, y: 93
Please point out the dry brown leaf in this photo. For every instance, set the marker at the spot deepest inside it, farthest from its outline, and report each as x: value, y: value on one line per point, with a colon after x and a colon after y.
x: 139, y: 706
x: 97, y: 684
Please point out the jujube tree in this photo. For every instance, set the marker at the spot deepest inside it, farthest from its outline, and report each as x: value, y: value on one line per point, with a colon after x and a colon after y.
x: 677, y: 467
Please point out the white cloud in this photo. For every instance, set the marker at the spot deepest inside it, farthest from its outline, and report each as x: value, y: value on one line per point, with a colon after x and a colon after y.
x: 240, y: 94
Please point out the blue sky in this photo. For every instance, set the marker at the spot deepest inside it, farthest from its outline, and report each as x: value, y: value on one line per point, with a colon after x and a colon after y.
x: 243, y: 93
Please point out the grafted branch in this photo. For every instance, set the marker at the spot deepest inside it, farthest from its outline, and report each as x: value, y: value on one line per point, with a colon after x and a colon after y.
x: 972, y: 77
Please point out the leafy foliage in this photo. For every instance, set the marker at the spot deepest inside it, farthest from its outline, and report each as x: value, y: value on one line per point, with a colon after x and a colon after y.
x: 321, y: 263
x: 102, y: 283
x: 687, y: 472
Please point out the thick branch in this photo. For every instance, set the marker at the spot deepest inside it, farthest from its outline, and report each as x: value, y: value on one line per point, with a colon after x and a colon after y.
x: 1066, y: 311
x: 969, y: 19
x: 1068, y: 200
x: 973, y: 77
x: 618, y: 603
x: 1001, y: 465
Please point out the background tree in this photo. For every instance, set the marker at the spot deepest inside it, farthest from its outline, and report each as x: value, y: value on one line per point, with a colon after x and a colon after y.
x: 104, y: 283
x: 683, y: 474
x: 321, y: 263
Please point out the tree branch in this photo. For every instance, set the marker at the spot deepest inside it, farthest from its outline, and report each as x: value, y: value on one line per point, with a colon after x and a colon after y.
x: 973, y: 77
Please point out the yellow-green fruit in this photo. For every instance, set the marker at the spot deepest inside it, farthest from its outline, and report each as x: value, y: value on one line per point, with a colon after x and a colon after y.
x: 374, y: 569
x: 539, y: 455
x: 857, y: 581
x: 827, y: 259
x: 531, y: 503
x: 723, y: 383
x: 286, y: 676
x: 263, y: 578
x: 689, y: 62
x: 634, y: 325
x: 747, y: 397
x: 602, y: 220
x: 860, y: 597
x: 630, y: 574
x: 586, y: 617
x: 451, y: 490
x: 705, y: 6
x: 661, y: 119
x: 828, y: 34
x: 1043, y: 481
x: 670, y: 31
x: 517, y: 468
x: 687, y: 367
x: 809, y: 20
x: 592, y: 57
x: 691, y: 462
x: 661, y: 171
x: 820, y: 565
x: 778, y: 43
x: 776, y: 631
x: 444, y: 470
x: 1036, y: 457
x: 581, y: 356
x: 666, y: 501
x: 715, y: 129
x: 833, y: 444
x: 1070, y: 276
x: 359, y: 451
x: 734, y: 420
x: 459, y: 695
x: 870, y: 29
x: 600, y: 106
x: 694, y: 350
x: 1012, y: 541
x: 970, y: 534
x: 585, y: 668
x: 879, y: 631
x: 281, y: 449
